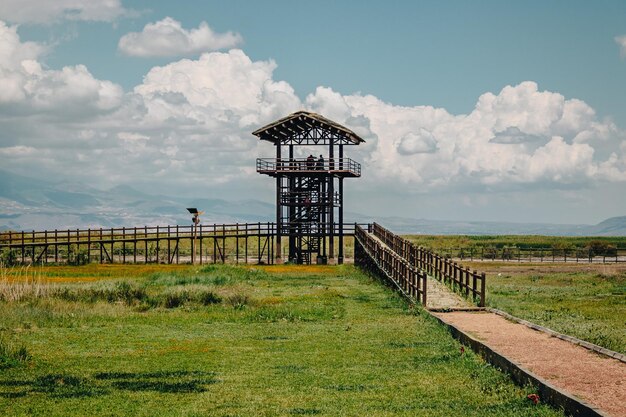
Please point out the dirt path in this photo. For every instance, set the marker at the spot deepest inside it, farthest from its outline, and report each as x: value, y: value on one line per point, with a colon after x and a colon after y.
x: 598, y: 380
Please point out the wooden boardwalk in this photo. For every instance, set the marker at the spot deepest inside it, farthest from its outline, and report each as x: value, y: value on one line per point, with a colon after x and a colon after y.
x: 210, y: 243
x: 568, y: 375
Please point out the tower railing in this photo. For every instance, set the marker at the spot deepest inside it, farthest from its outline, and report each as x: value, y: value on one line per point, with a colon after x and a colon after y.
x: 345, y: 166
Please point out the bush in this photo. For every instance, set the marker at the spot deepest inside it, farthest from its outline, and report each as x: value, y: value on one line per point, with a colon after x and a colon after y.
x: 175, y: 299
x: 77, y: 257
x: 8, y: 257
x: 121, y: 292
x: 600, y: 248
x: 238, y: 301
x: 127, y: 293
x: 11, y: 356
x: 208, y: 297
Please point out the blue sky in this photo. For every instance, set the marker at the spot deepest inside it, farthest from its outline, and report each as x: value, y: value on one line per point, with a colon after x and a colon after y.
x: 546, y: 142
x: 440, y: 53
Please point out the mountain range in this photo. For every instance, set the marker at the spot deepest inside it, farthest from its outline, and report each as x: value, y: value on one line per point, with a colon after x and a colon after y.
x: 35, y: 204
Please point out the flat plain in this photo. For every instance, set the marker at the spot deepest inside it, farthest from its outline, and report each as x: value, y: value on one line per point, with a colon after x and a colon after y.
x: 227, y: 341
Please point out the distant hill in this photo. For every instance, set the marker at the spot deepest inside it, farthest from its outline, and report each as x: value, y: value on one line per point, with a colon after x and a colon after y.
x: 615, y: 226
x: 27, y: 204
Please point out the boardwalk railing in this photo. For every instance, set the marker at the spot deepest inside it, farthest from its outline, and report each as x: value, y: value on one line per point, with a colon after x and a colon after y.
x: 371, y: 255
x: 237, y: 242
x: 469, y: 283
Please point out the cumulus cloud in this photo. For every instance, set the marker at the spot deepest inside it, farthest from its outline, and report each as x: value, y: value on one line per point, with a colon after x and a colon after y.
x: 167, y: 38
x: 512, y: 135
x: 189, y: 124
x: 422, y: 141
x: 30, y: 88
x: 48, y: 11
x: 550, y: 140
x: 621, y: 41
x: 186, y: 122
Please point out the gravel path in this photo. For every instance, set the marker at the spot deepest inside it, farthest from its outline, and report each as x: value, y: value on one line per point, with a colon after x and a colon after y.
x: 598, y: 380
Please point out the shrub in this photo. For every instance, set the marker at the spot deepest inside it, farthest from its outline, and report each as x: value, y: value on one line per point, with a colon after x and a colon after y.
x: 11, y: 355
x: 175, y: 299
x: 127, y: 293
x: 8, y: 257
x: 208, y: 297
x: 76, y: 256
x: 122, y: 292
x: 238, y: 301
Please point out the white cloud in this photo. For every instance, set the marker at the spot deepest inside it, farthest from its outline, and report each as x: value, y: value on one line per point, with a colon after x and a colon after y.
x: 512, y: 135
x: 189, y: 121
x: 167, y: 38
x: 188, y: 126
x: 29, y: 88
x: 519, y: 136
x: 421, y: 142
x: 621, y: 41
x: 48, y: 11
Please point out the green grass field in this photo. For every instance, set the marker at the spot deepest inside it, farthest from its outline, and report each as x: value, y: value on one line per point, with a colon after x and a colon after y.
x: 233, y: 341
x: 445, y: 242
x: 585, y: 301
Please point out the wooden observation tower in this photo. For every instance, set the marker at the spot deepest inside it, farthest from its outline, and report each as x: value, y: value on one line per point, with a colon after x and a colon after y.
x: 309, y: 186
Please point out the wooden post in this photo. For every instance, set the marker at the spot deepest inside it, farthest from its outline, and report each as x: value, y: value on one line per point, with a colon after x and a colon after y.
x: 424, y: 289
x: 56, y: 246
x: 157, y: 244
x: 474, y: 279
x: 199, y: 242
x: 454, y: 280
x: 223, y: 243
x: 101, y: 248
x: 112, y: 243
x: 482, y: 289
x: 192, y: 240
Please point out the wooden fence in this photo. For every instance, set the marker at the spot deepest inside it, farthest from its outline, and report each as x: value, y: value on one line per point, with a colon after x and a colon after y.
x: 469, y: 283
x: 371, y: 255
x: 237, y: 243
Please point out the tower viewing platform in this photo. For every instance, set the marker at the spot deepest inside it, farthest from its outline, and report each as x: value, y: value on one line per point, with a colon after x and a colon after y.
x: 309, y: 189
x: 344, y: 167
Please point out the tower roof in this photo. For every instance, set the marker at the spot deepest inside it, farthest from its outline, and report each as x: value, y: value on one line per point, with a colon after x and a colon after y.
x: 308, y: 128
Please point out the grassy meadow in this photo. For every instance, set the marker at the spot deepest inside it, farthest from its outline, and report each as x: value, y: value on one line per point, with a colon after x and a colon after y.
x: 587, y: 301
x: 444, y: 242
x: 232, y: 341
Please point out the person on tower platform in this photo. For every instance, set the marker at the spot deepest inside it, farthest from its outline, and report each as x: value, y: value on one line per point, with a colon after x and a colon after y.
x: 320, y: 163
